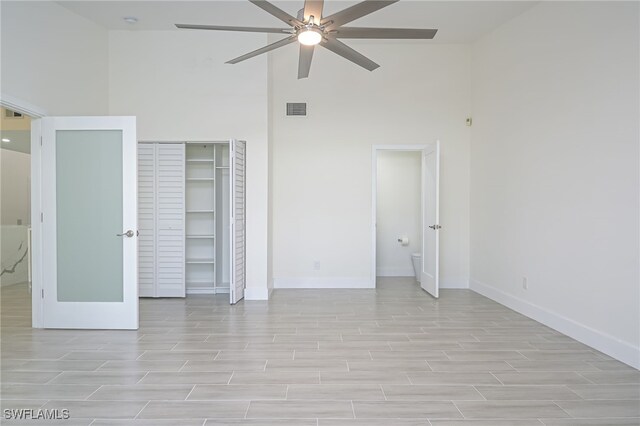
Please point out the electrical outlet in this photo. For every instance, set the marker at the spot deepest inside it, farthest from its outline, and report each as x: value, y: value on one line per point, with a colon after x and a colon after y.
x: 316, y: 265
x: 525, y: 283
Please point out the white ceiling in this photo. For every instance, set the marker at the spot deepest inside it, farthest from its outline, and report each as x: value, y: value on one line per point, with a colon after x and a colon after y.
x: 457, y: 21
x: 20, y: 140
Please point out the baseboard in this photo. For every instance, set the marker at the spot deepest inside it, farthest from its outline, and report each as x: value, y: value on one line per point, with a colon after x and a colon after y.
x: 395, y: 272
x: 256, y: 293
x: 328, y: 282
x: 454, y: 282
x: 603, y: 342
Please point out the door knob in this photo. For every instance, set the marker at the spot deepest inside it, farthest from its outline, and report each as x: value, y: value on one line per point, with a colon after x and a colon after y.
x: 128, y: 234
x: 434, y: 227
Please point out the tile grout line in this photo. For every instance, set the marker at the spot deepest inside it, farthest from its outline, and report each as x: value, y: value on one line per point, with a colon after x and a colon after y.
x: 142, y: 378
x: 557, y: 405
x: 383, y: 394
x: 48, y: 382
x: 480, y: 393
x: 246, y: 412
x: 496, y: 377
x: 457, y: 408
x: 141, y: 410
x: 92, y: 393
x: 190, y: 392
x: 591, y: 382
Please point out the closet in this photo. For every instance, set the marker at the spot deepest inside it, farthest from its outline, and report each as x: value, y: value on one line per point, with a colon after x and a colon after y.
x: 185, y: 196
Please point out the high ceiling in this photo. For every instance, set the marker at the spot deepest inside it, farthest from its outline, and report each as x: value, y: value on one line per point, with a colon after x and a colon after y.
x: 457, y: 21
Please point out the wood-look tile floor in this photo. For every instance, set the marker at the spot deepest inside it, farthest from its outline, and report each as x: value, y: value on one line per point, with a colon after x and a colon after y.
x: 390, y: 356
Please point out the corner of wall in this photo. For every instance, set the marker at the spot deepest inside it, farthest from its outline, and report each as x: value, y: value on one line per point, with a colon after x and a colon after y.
x: 603, y: 342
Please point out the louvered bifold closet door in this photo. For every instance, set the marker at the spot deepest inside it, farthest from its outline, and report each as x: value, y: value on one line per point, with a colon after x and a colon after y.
x: 170, y: 222
x: 146, y: 220
x: 238, y: 221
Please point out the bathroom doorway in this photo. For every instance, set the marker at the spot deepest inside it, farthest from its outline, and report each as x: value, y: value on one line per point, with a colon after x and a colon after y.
x: 405, y: 215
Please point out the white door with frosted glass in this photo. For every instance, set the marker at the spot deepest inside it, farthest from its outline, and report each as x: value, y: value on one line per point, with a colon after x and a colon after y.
x: 430, y: 219
x: 89, y: 222
x: 237, y: 162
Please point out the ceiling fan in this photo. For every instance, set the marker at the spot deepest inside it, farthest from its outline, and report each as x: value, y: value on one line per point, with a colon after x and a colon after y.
x: 311, y: 28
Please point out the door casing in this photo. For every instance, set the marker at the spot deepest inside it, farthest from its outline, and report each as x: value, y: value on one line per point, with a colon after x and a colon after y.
x: 374, y: 197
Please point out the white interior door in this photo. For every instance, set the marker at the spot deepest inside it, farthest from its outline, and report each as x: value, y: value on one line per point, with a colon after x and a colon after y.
x: 89, y: 229
x: 431, y: 218
x: 238, y: 220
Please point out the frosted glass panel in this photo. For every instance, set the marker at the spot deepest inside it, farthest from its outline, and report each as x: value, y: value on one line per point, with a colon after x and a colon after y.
x: 89, y: 215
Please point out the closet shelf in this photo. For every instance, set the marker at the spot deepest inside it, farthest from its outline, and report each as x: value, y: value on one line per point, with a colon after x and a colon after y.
x: 200, y: 160
x: 200, y: 282
x: 200, y: 236
x: 200, y: 261
x: 222, y: 167
x: 200, y: 211
x: 201, y: 179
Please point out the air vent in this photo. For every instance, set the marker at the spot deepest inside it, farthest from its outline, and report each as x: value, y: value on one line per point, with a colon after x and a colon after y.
x: 12, y: 114
x: 297, y: 109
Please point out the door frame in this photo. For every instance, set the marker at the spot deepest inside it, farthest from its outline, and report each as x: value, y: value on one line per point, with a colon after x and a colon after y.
x: 35, y: 112
x: 375, y: 149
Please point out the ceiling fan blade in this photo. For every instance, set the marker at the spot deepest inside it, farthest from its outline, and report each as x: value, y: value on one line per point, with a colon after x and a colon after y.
x: 384, y: 33
x: 346, y: 52
x: 304, y: 61
x: 356, y: 11
x: 265, y: 49
x: 245, y: 29
x: 277, y: 12
x: 313, y: 8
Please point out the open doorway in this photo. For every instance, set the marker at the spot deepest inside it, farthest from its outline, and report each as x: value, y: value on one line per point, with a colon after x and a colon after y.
x: 15, y: 198
x: 405, y: 215
x: 399, y: 212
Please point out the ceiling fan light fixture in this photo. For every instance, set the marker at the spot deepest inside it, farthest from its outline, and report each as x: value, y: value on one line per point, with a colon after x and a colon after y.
x: 309, y: 36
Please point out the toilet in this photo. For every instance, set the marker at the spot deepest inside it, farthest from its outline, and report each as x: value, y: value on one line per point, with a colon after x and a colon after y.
x: 416, y: 259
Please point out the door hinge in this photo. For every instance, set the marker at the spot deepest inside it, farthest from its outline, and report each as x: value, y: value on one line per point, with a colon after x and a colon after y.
x: 42, y: 293
x: 40, y: 140
x: 41, y: 217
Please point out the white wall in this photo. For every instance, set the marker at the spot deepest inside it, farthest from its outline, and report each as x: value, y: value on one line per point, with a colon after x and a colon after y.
x: 398, y: 212
x: 15, y: 187
x: 15, y: 194
x: 53, y: 59
x: 554, y: 170
x: 13, y: 254
x: 179, y: 87
x: 321, y: 164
